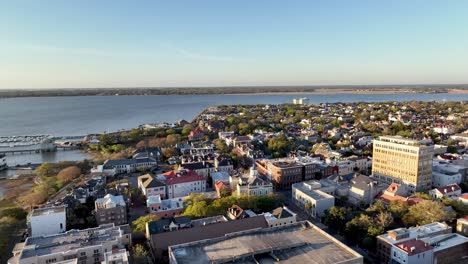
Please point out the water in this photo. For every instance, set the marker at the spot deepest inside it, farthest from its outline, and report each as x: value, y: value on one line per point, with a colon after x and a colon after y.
x: 81, y: 115
x: 56, y: 156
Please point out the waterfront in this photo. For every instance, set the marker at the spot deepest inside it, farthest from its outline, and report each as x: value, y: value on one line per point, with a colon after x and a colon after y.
x: 81, y: 115
x: 36, y: 158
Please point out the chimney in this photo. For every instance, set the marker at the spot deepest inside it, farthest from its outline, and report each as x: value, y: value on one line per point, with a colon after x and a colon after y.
x: 413, y: 249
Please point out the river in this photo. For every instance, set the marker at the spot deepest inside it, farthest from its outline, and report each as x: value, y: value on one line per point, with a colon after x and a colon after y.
x: 81, y: 115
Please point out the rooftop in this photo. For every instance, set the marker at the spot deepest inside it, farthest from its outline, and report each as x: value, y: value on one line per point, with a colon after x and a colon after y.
x: 400, y: 140
x: 414, y: 246
x: 167, y: 239
x: 71, y: 240
x: 444, y: 241
x: 300, y: 242
x: 48, y: 210
x: 110, y: 201
x: 311, y: 188
x: 416, y: 232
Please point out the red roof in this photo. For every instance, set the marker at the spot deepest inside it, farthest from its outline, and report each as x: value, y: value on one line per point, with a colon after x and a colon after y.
x: 464, y: 196
x: 449, y: 188
x: 183, y: 179
x: 175, y: 177
x: 219, y: 185
x: 393, y: 187
x: 414, y: 246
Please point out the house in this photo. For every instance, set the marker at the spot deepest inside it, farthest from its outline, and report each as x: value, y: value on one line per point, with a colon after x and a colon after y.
x: 116, y: 255
x: 47, y: 221
x: 114, y: 167
x: 463, y: 198
x: 449, y: 191
x: 165, y: 208
x: 110, y: 209
x: 235, y: 212
x: 196, y: 135
x: 445, y: 173
x: 280, y: 216
x: 394, y: 192
x: 150, y: 185
x: 443, y: 248
x: 220, y: 187
x: 223, y: 163
x: 253, y: 185
x: 201, y: 168
x: 183, y: 182
x: 462, y: 226
x: 221, y: 176
x: 412, y: 251
x: 363, y: 190
x: 167, y: 225
x: 309, y: 196
x: 386, y: 241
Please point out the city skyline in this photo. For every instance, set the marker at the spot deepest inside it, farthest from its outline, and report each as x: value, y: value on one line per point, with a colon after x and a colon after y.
x: 55, y: 44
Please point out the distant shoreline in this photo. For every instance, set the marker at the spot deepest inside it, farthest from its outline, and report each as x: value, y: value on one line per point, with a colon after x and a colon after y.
x: 338, y: 91
x: 256, y: 90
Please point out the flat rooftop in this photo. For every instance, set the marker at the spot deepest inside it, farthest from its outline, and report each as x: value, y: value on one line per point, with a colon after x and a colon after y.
x: 284, y: 164
x: 48, y: 210
x: 307, y: 188
x: 401, y: 140
x: 70, y: 240
x: 300, y: 242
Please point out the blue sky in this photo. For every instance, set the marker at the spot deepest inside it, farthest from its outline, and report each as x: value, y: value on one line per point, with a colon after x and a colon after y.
x: 71, y: 44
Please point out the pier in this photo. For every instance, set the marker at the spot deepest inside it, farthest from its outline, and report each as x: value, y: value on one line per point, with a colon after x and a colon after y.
x: 38, y: 144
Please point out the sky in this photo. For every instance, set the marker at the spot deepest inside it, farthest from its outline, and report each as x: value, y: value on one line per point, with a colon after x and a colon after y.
x: 89, y: 43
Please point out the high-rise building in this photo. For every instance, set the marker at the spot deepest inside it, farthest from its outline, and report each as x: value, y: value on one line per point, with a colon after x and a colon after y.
x: 404, y: 161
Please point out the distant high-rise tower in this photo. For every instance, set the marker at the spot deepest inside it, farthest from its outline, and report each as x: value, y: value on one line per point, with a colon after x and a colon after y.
x: 402, y: 160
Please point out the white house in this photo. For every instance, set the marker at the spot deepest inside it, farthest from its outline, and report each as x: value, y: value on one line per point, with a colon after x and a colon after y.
x: 307, y: 195
x: 114, y: 167
x: 48, y: 221
x: 363, y: 190
x: 183, y: 183
x: 150, y: 185
x: 280, y: 216
x: 413, y: 251
x: 449, y: 191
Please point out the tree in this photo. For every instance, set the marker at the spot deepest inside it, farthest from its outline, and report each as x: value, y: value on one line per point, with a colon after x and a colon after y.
x: 140, y: 251
x: 139, y: 225
x: 15, y: 212
x: 384, y: 219
x: 425, y: 212
x: 398, y: 208
x: 68, y: 174
x: 172, y: 139
x: 169, y: 152
x: 46, y: 169
x: 335, y: 217
x: 376, y: 207
x: 142, y: 144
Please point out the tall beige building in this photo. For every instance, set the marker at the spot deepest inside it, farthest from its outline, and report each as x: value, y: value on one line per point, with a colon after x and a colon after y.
x: 402, y: 160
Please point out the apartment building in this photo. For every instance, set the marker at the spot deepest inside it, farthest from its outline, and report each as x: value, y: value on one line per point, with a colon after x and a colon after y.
x: 183, y: 182
x: 86, y: 246
x: 282, y: 172
x: 402, y: 160
x: 397, y: 236
x: 111, y: 209
x: 440, y: 249
x: 309, y: 196
x: 47, y: 221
